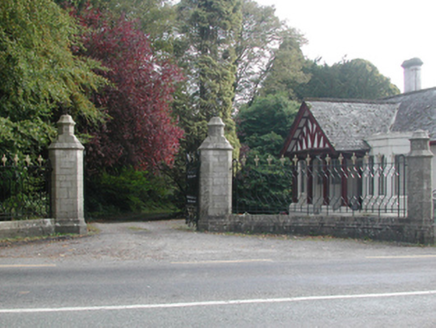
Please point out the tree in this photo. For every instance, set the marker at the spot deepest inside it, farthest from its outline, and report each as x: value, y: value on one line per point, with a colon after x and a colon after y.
x: 139, y: 130
x: 156, y: 18
x: 264, y: 185
x: 208, y: 29
x: 257, y: 48
x: 263, y: 126
x: 138, y: 135
x: 39, y: 74
x: 204, y: 47
x: 353, y: 79
x: 286, y: 73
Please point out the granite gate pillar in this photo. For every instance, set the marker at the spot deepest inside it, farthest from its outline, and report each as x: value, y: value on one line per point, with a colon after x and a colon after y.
x: 215, y: 175
x: 66, y: 156
x: 419, y: 189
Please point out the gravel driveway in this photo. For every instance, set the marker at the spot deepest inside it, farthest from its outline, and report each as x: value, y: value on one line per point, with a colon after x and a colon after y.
x: 172, y: 241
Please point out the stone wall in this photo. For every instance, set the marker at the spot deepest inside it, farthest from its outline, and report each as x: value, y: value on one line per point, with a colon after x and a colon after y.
x: 27, y: 228
x: 385, y: 228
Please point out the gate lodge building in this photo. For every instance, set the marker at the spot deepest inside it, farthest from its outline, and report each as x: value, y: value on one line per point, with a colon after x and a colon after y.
x: 365, y: 141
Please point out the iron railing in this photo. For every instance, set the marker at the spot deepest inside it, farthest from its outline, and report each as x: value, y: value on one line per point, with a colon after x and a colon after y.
x: 321, y: 186
x: 261, y: 186
x: 342, y: 186
x: 25, y: 189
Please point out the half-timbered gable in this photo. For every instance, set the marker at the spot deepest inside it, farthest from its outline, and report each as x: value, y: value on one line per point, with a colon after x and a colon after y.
x: 307, y: 135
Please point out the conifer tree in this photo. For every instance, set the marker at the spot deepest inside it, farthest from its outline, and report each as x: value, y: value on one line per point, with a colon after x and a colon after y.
x: 209, y: 29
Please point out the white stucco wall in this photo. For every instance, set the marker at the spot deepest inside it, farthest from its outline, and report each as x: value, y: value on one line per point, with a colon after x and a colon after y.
x: 389, y: 144
x: 396, y: 143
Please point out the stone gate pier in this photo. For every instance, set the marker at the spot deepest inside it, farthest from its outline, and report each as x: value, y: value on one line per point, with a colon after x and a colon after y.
x: 66, y: 156
x: 215, y: 174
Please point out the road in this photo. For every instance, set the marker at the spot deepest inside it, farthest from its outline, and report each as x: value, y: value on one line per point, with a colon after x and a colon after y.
x: 214, y: 280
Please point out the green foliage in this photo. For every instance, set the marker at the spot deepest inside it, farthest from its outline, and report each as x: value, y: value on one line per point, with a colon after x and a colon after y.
x: 349, y: 79
x: 24, y: 192
x: 264, y: 125
x: 39, y: 74
x: 263, y: 188
x: 127, y: 190
x: 286, y: 73
x: 156, y: 18
x: 207, y: 32
x: 257, y: 41
x: 226, y: 49
x: 268, y: 143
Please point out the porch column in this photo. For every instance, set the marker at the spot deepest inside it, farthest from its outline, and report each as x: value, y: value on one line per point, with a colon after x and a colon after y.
x: 344, y: 180
x: 66, y: 156
x: 419, y: 189
x: 295, y: 181
x: 326, y: 182
x: 309, y: 171
x: 215, y: 174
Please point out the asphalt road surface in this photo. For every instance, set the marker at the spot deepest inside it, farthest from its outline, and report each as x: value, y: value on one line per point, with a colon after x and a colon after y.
x: 162, y: 274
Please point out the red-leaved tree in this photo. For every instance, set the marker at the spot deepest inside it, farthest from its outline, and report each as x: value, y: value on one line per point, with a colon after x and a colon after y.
x: 139, y: 130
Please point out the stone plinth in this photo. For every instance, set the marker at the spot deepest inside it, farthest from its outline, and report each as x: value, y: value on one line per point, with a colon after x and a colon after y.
x: 66, y: 156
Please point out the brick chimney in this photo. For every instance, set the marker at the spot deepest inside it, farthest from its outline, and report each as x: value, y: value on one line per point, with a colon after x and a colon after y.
x: 412, y: 74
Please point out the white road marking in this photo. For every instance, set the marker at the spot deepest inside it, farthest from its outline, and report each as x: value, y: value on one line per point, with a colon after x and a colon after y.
x: 27, y: 265
x: 215, y: 303
x: 402, y: 257
x: 223, y: 261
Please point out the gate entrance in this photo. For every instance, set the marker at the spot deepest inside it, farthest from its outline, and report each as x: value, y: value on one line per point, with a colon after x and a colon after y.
x: 192, y: 188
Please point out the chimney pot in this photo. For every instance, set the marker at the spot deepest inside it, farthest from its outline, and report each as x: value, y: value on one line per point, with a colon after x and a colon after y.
x: 412, y: 74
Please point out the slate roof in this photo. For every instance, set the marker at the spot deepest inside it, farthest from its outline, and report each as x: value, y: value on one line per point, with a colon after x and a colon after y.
x: 346, y: 123
x: 417, y: 111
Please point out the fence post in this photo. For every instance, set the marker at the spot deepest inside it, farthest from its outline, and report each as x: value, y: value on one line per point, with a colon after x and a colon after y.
x: 419, y: 189
x: 215, y: 174
x: 66, y: 156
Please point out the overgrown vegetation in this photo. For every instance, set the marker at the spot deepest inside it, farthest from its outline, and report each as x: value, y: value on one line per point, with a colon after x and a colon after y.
x: 24, y: 191
x: 142, y: 78
x: 128, y: 190
x: 262, y: 185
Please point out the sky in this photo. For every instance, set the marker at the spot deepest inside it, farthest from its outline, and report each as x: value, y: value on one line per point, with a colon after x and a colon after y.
x: 385, y: 32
